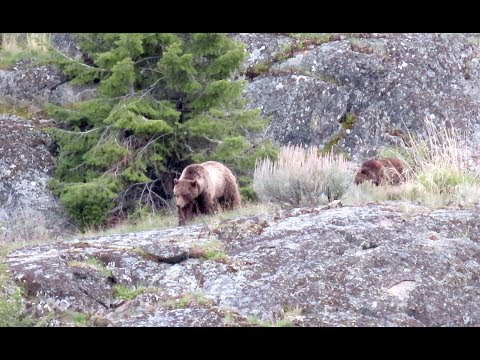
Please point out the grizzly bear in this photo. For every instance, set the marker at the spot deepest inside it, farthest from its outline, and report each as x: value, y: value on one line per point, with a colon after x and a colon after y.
x: 202, y: 188
x: 381, y: 171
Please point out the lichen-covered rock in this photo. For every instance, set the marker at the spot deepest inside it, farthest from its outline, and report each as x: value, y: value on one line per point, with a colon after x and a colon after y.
x: 262, y: 47
x: 194, y: 316
x: 66, y: 93
x: 65, y: 43
x: 376, y: 265
x: 27, y: 85
x: 27, y: 207
x: 389, y: 83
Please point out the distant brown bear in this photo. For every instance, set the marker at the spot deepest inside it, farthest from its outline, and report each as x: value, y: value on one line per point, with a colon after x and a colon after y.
x: 202, y: 187
x: 381, y: 171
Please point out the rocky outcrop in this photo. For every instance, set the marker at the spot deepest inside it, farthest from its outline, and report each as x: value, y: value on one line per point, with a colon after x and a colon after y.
x: 30, y: 86
x: 25, y: 84
x: 262, y: 47
x: 28, y: 211
x: 65, y: 43
x: 361, y: 92
x: 389, y: 264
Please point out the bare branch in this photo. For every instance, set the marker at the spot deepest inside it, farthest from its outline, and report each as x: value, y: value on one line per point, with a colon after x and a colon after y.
x: 76, y: 61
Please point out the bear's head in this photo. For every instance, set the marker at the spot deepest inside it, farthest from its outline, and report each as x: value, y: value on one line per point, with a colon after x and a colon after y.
x: 360, y: 178
x: 185, y: 191
x: 370, y: 170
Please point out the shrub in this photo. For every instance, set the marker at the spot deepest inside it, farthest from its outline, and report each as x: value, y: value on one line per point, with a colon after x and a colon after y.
x: 301, y: 177
x: 89, y: 203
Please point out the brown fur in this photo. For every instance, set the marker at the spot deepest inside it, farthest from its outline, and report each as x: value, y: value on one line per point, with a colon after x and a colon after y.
x: 381, y: 171
x: 202, y: 188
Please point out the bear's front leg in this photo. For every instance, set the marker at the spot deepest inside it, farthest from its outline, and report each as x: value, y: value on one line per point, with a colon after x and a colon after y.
x: 187, y: 213
x: 181, y: 216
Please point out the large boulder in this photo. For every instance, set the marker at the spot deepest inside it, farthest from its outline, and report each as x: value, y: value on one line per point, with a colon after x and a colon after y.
x: 66, y: 44
x: 25, y: 84
x: 262, y: 47
x: 383, y: 84
x: 389, y: 264
x: 28, y: 210
x: 29, y: 86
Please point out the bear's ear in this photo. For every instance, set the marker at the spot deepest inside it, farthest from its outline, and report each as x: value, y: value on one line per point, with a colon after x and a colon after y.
x: 194, y: 183
x: 175, y: 181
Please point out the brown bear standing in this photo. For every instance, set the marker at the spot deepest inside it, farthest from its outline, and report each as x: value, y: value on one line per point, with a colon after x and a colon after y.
x: 380, y: 171
x: 202, y: 187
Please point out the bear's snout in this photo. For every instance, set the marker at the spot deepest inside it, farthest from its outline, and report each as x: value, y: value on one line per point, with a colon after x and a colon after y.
x: 181, y: 203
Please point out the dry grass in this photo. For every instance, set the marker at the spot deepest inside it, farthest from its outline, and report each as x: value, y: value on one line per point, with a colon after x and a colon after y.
x: 439, y: 160
x: 26, y: 226
x: 18, y: 46
x: 438, y: 172
x: 15, y: 42
x: 302, y: 177
x: 170, y: 220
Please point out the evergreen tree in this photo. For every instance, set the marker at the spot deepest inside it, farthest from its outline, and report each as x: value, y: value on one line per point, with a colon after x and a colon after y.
x: 164, y: 101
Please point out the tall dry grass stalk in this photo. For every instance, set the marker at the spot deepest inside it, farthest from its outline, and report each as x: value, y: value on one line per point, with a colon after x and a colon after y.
x: 438, y: 172
x: 15, y: 42
x: 301, y: 177
x: 25, y: 225
x: 439, y: 159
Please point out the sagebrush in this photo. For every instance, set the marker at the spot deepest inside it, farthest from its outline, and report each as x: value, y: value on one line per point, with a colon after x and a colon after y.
x: 302, y: 177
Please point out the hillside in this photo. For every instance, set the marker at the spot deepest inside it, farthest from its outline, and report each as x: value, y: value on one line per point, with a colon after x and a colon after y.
x: 358, y: 261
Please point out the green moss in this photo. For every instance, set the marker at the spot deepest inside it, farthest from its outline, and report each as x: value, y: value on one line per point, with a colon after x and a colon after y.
x: 186, y: 300
x: 10, y: 303
x: 128, y: 292
x: 317, y: 37
x: 212, y: 250
x: 140, y: 252
x: 331, y: 143
x: 259, y: 69
x: 215, y: 255
x: 93, y: 263
x: 280, y: 323
x: 326, y: 78
x: 77, y: 318
x: 348, y: 121
x: 284, y: 53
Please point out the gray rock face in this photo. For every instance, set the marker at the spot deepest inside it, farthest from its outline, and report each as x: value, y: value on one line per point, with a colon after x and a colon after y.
x: 26, y: 205
x: 262, y: 47
x: 65, y: 43
x: 387, y: 81
x: 34, y: 86
x: 388, y: 264
x: 24, y: 84
x: 67, y: 94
